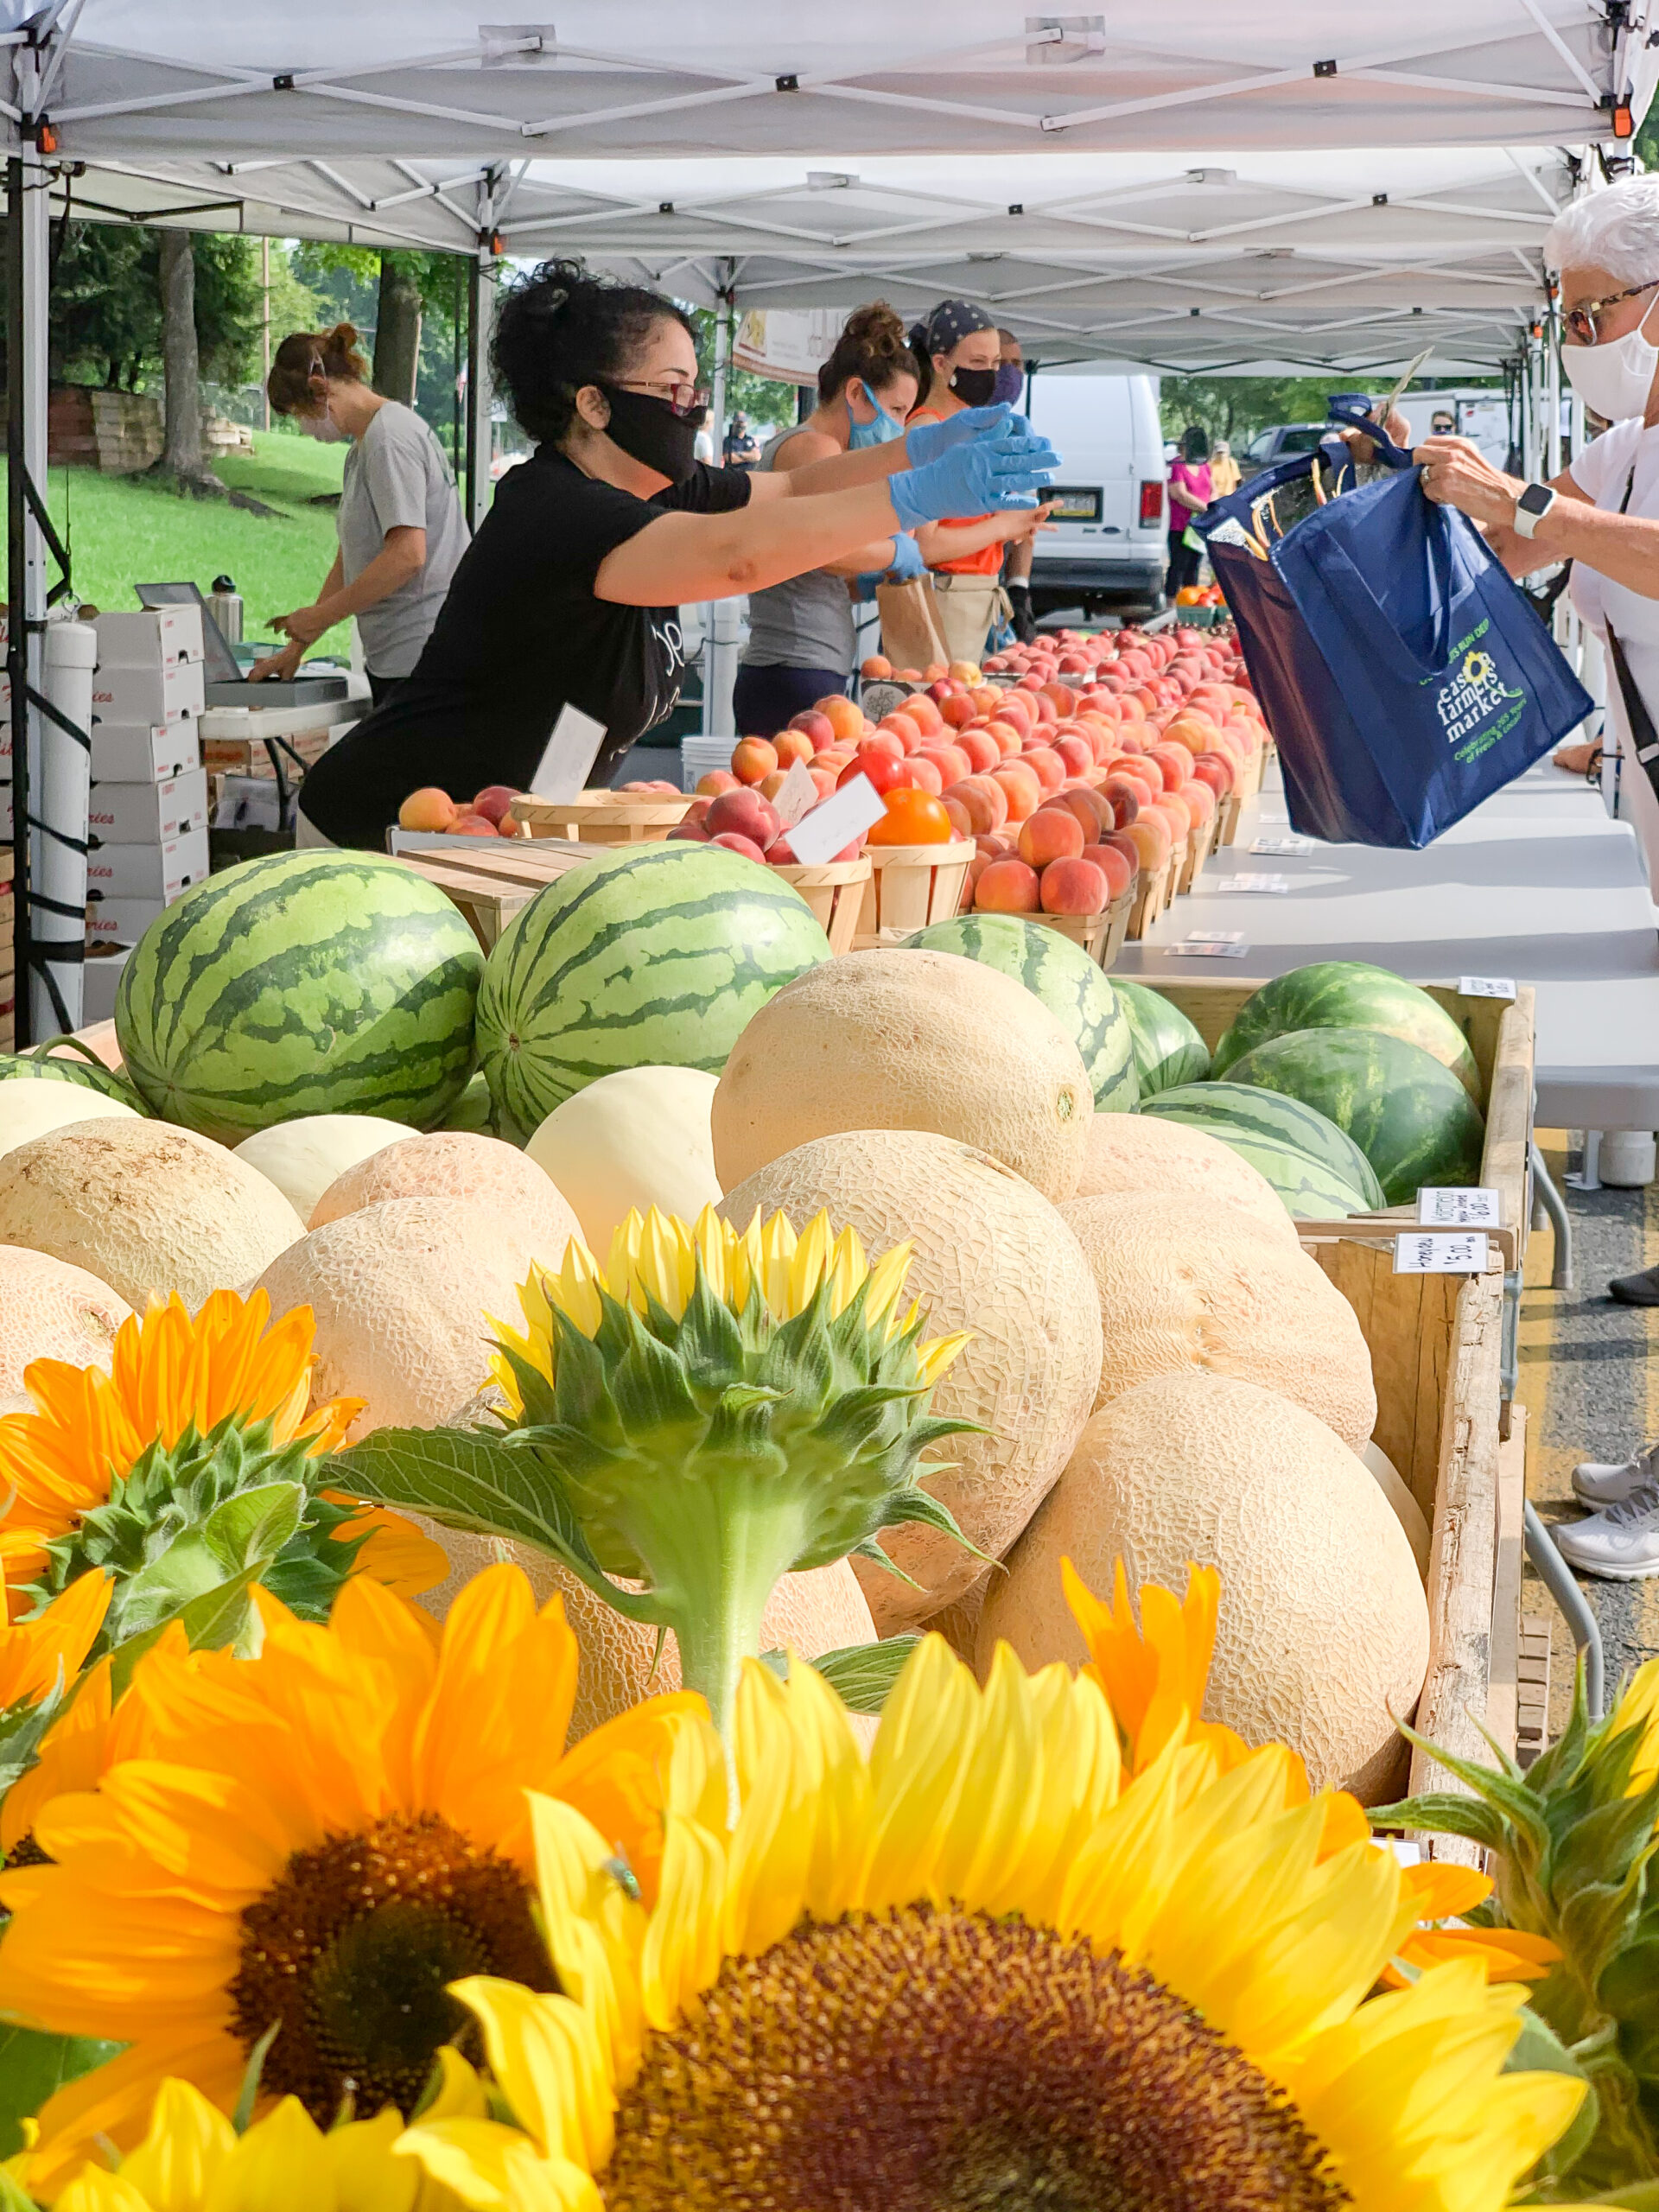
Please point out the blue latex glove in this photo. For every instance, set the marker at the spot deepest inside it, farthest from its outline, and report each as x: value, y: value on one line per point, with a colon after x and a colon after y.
x: 907, y: 561
x: 1003, y: 469
x: 928, y: 440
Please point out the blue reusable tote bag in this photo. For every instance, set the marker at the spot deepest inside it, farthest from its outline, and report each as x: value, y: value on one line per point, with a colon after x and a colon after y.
x: 1404, y: 675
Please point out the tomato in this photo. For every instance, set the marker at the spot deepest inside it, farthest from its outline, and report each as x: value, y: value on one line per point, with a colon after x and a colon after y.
x: 913, y: 817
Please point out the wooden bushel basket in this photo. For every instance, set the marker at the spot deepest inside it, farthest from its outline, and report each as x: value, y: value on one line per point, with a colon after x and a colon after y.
x: 836, y: 890
x: 910, y: 885
x: 1154, y: 889
x: 602, y: 817
x: 1100, y: 935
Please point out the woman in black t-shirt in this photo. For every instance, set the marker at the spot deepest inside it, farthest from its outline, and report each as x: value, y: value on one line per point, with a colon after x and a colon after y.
x: 571, y: 590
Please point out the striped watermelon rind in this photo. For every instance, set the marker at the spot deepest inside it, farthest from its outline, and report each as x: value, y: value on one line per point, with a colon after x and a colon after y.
x: 1406, y: 1111
x: 1349, y: 995
x: 47, y: 1065
x: 658, y: 955
x: 1169, y: 1050
x: 303, y: 982
x: 1074, y: 989
x: 1317, y: 1169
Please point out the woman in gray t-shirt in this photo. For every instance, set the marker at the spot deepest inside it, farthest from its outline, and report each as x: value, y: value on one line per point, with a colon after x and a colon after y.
x: 400, y: 534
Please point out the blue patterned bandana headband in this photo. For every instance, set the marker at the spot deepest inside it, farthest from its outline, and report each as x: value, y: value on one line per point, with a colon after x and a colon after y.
x: 949, y: 323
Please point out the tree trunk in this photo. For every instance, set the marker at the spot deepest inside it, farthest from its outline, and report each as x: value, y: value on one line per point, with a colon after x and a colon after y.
x: 182, y: 465
x: 397, y: 331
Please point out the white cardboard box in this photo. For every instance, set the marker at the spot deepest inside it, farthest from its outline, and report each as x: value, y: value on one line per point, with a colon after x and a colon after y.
x: 148, y: 695
x: 99, y: 978
x: 122, y: 921
x: 145, y: 752
x: 147, y: 813
x: 149, y: 637
x: 147, y: 871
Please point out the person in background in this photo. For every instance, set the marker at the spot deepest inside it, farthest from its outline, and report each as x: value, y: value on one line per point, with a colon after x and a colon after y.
x: 958, y: 356
x: 1190, y: 494
x: 1016, y: 563
x: 1443, y: 423
x: 742, y: 449
x: 1224, y: 470
x: 400, y: 533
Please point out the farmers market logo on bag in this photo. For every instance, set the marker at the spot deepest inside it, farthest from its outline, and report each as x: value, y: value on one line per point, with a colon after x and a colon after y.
x: 1473, y: 703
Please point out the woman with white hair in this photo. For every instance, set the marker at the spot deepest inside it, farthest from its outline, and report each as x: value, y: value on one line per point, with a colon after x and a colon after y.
x: 1603, y: 514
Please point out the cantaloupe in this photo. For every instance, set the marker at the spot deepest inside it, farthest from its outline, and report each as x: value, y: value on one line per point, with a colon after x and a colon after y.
x: 1130, y: 1155
x: 144, y: 1207
x: 1195, y: 1281
x: 49, y: 1310
x: 822, y: 1610
x: 496, y: 1180
x: 401, y: 1292
x: 992, y: 1257
x: 302, y: 1157
x: 1323, y: 1637
x: 31, y: 1109
x: 636, y: 1139
x: 904, y: 1040
x: 1407, y: 1510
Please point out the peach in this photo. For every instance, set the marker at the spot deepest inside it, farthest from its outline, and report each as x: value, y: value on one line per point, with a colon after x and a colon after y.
x: 752, y: 758
x: 691, y: 832
x: 885, y: 774
x: 924, y: 711
x: 984, y: 804
x: 743, y: 814
x: 1122, y: 794
x: 1094, y: 813
x: 843, y: 717
x: 493, y: 801
x: 922, y: 775
x: 964, y: 672
x: 1119, y: 872
x: 1020, y: 787
x: 812, y: 724
x: 1053, y: 833
x: 1077, y: 753
x: 1074, y: 886
x: 998, y: 846
x: 933, y: 671
x: 473, y: 826
x: 769, y: 786
x: 1045, y: 764
x: 875, y: 668
x: 904, y: 727
x: 980, y: 749
x: 1150, y: 834
x: 958, y: 710
x: 1215, y: 770
x: 976, y: 867
x: 1008, y: 887
x: 729, y: 841
x: 1008, y: 737
x: 428, y: 808
x: 792, y: 745
x: 884, y: 744
x: 952, y: 763
x: 960, y: 821
x: 823, y: 777
x: 1174, y: 763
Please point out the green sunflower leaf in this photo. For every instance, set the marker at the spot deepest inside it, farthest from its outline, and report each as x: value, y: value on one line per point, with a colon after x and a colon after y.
x: 21, y: 1727
x: 914, y: 1503
x: 862, y: 1674
x: 254, y: 1525
x: 34, y: 2066
x: 1539, y: 2049
x: 1440, y: 1813
x: 216, y: 1619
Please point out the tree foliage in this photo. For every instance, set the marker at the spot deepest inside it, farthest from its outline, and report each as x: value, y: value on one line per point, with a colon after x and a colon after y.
x: 763, y: 399
x: 104, y: 324
x: 1236, y: 408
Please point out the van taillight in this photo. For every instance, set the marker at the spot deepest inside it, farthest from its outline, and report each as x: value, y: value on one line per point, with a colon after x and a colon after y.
x: 1151, y: 502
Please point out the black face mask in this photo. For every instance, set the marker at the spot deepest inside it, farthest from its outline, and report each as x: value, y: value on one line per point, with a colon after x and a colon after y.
x: 649, y: 431
x: 975, y: 387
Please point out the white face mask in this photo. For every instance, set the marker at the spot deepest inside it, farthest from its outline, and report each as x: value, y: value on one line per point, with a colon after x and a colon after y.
x: 323, y: 427
x: 1613, y: 380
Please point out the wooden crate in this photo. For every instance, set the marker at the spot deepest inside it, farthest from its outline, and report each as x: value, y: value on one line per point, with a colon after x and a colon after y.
x: 1193, y: 855
x: 910, y: 885
x: 1228, y: 810
x: 1100, y: 935
x: 1435, y: 1344
x: 835, y: 891
x: 602, y: 818
x: 1154, y: 889
x: 491, y: 885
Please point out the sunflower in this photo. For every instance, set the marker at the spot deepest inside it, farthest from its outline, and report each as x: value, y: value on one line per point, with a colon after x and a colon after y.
x: 42, y: 1658
x: 191, y: 2159
x: 988, y: 1968
x: 319, y: 1838
x: 108, y: 1466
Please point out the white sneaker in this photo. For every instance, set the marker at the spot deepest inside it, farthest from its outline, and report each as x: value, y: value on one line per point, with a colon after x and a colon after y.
x: 1599, y: 1482
x: 1622, y: 1544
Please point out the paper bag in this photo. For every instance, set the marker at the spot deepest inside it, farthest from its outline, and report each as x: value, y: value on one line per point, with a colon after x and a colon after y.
x: 910, y: 637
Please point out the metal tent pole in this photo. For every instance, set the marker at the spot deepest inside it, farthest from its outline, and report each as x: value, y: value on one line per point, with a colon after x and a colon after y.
x: 481, y: 278
x: 720, y: 622
x: 27, y: 212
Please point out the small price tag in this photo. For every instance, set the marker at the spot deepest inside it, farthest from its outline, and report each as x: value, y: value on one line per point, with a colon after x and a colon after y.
x: 1415, y: 1253
x: 1460, y: 1205
x: 1214, y: 936
x: 1486, y: 986
x: 836, y: 822
x: 797, y: 795
x: 1208, y: 949
x: 1276, y: 845
x: 1274, y: 885
x: 571, y: 750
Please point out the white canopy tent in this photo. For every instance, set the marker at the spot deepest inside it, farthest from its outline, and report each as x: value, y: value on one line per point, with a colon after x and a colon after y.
x: 1059, y: 168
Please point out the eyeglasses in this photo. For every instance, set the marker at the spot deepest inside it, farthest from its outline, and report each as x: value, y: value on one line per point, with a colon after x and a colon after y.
x: 682, y: 393
x: 1581, y: 320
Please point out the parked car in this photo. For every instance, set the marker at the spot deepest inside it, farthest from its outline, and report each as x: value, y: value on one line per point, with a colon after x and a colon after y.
x: 1279, y: 443
x: 1108, y: 549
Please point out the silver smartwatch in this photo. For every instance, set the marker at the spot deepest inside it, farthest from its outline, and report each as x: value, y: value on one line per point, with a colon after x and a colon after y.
x: 1533, y: 504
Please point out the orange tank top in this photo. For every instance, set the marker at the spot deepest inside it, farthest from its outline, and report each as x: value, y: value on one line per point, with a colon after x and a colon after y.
x: 987, y: 561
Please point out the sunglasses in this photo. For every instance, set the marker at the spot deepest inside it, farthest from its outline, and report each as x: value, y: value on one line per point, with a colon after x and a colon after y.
x: 1581, y: 320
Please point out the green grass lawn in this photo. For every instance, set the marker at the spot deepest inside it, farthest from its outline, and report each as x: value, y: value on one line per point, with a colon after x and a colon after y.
x: 120, y: 532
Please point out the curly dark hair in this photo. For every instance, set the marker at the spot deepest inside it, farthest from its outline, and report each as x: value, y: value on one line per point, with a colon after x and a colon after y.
x: 872, y: 346
x: 562, y: 327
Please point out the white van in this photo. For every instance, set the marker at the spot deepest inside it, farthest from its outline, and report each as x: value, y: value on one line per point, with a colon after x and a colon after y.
x: 1109, y: 547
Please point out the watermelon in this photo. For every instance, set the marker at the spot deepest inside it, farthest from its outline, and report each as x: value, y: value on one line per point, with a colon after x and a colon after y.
x: 50, y: 1065
x: 1349, y: 995
x: 303, y: 982
x: 1169, y: 1050
x: 656, y: 956
x: 1318, y: 1171
x: 1406, y: 1111
x: 1073, y: 988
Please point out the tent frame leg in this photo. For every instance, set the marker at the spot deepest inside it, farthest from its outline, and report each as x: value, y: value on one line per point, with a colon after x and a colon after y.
x: 27, y: 273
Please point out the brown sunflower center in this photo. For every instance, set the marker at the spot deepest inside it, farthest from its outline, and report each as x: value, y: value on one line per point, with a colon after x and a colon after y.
x: 353, y: 1950
x: 944, y: 2062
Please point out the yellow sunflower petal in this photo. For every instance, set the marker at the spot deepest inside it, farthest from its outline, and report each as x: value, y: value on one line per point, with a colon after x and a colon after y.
x: 805, y: 1795
x: 916, y: 1774
x: 47, y: 1653
x: 1439, y: 1889
x: 548, y: 2063
x: 460, y: 2094
x: 93, y: 2190
x: 595, y: 1930
x: 182, y: 2156
x: 682, y: 1956
x: 367, y: 2177
x: 283, y: 2161
x: 491, y: 2166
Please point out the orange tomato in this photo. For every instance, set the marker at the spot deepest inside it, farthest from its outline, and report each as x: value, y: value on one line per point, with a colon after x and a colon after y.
x: 913, y: 817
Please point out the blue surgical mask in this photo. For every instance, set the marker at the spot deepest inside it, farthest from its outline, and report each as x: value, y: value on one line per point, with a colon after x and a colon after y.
x: 881, y: 432
x: 1010, y: 382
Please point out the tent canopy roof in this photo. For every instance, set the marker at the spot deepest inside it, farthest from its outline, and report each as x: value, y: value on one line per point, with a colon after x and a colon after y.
x: 427, y: 78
